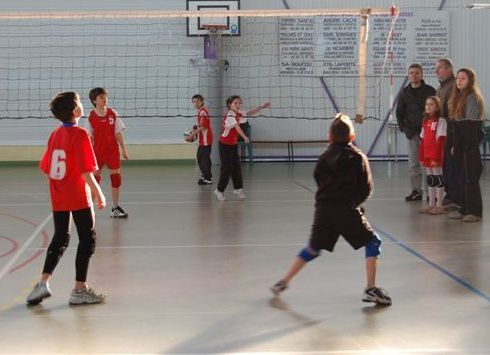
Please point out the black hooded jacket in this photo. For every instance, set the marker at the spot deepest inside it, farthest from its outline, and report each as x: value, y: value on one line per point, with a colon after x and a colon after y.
x: 343, y: 174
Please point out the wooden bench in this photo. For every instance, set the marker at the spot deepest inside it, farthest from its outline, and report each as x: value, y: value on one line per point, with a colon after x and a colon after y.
x: 290, y: 145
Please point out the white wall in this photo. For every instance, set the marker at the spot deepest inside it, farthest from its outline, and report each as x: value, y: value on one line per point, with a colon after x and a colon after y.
x: 253, y: 74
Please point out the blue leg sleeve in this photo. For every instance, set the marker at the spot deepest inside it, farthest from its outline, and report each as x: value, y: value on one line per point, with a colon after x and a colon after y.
x: 373, y: 247
x: 308, y: 254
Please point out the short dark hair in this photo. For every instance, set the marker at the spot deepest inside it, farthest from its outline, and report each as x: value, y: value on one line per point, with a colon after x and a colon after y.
x: 231, y: 99
x: 416, y: 66
x: 96, y: 92
x: 341, y: 129
x: 63, y: 105
x: 446, y: 61
x: 198, y: 96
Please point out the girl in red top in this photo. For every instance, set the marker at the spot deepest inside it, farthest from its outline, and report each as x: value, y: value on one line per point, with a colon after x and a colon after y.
x: 69, y: 163
x: 433, y: 139
x: 228, y: 146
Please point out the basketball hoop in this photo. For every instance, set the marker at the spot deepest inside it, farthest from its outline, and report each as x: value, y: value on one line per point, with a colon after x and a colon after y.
x: 212, y: 40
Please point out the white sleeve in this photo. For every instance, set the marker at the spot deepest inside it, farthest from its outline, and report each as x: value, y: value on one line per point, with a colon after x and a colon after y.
x: 422, y: 133
x: 119, y: 125
x: 89, y: 128
x: 230, y: 120
x: 243, y: 118
x: 441, y: 128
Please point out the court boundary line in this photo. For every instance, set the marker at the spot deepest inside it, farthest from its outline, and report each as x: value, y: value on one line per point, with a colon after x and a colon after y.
x: 436, y: 266
x: 6, y: 269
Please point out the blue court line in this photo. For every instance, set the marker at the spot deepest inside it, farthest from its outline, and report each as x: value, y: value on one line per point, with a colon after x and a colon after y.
x: 436, y: 266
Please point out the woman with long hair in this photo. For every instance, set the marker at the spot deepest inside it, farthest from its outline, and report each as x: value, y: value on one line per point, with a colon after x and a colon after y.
x: 466, y: 111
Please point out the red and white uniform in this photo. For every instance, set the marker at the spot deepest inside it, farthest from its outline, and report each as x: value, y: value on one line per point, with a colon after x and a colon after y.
x: 206, y: 135
x: 68, y: 155
x: 103, y: 131
x: 433, y: 139
x: 229, y: 134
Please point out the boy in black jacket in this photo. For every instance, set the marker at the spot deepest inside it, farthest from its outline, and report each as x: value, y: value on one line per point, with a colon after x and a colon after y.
x: 344, y: 182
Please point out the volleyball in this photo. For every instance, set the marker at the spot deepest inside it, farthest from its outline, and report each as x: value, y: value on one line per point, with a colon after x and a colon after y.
x: 189, y: 135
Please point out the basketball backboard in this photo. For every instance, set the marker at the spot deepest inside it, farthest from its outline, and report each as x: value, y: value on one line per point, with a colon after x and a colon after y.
x: 195, y: 24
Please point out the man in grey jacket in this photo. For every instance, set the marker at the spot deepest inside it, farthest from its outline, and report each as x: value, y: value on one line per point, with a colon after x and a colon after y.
x: 410, y: 114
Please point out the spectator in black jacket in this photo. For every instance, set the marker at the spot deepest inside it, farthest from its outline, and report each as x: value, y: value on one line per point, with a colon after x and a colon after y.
x: 410, y: 114
x: 344, y: 182
x: 466, y: 111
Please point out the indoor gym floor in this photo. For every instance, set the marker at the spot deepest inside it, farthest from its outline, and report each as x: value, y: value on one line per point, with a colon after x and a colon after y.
x: 189, y: 274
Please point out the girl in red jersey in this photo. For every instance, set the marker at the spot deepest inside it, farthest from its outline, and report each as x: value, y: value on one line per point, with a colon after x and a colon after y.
x: 106, y: 128
x: 433, y: 139
x: 228, y: 147
x: 69, y: 163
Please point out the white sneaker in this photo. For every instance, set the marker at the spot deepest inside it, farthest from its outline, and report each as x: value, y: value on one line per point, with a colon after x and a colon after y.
x: 220, y: 195
x: 86, y: 295
x: 239, y: 193
x: 39, y: 292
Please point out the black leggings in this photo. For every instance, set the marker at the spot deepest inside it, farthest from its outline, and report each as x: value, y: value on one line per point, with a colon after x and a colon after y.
x: 230, y: 167
x: 85, y: 223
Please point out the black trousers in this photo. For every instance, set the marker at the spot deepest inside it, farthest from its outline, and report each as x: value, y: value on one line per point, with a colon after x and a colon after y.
x: 450, y: 176
x: 204, y: 161
x: 85, y: 223
x: 230, y: 167
x: 469, y: 165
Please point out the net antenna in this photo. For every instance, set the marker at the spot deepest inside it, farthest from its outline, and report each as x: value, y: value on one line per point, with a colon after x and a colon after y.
x: 363, y: 39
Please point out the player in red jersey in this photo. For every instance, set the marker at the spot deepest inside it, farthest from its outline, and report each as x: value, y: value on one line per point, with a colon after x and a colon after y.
x: 106, y: 128
x: 204, y: 133
x: 69, y: 163
x: 228, y: 146
x: 433, y: 140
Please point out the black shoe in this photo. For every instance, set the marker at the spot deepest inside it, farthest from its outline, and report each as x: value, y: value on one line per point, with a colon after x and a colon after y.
x: 201, y: 182
x: 279, y: 287
x: 414, y: 196
x: 118, y: 212
x: 446, y: 201
x: 376, y: 295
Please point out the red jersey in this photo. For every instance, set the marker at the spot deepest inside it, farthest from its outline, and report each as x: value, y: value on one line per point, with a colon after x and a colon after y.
x: 229, y: 134
x: 206, y: 135
x: 103, y: 131
x: 68, y: 155
x: 433, y: 139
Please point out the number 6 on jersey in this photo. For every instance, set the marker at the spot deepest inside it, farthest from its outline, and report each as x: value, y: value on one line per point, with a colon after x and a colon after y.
x: 58, y: 164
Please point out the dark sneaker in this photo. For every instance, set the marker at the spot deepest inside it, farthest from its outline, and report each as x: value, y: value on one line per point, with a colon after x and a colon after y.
x: 471, y: 218
x: 376, y: 295
x: 39, y: 292
x: 86, y: 295
x: 201, y: 182
x: 414, y: 196
x: 446, y: 201
x: 118, y: 212
x: 279, y: 287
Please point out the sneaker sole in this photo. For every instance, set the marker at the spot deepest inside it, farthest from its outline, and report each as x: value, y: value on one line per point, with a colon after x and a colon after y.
x: 381, y: 303
x: 76, y: 303
x: 274, y: 292
x: 36, y: 301
x: 120, y: 217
